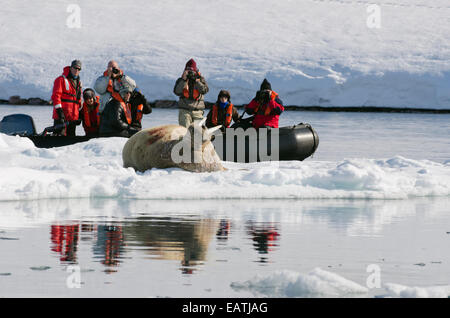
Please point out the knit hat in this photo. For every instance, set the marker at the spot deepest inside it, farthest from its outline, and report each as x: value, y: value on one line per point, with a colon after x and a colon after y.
x: 76, y: 63
x: 88, y: 93
x: 265, y: 85
x: 191, y: 66
x: 224, y: 93
x: 127, y: 85
x: 126, y: 88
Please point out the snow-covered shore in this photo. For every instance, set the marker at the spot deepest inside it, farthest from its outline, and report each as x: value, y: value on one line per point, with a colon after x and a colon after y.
x: 323, y: 53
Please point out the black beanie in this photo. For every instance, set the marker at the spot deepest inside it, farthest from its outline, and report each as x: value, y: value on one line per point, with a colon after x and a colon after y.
x: 265, y: 85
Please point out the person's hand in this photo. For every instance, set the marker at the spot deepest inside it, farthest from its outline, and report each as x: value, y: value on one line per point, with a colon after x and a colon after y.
x: 61, y: 118
x: 184, y: 76
x: 132, y: 130
x: 109, y: 71
x: 275, y: 111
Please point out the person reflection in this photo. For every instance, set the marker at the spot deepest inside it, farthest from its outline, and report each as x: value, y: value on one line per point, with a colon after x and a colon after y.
x: 109, y: 245
x: 224, y: 230
x: 64, y: 240
x: 264, y: 237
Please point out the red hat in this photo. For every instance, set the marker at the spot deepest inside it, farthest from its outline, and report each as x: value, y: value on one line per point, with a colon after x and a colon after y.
x: 191, y: 65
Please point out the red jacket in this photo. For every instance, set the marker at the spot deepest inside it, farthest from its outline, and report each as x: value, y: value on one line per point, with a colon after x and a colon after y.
x: 269, y: 114
x: 66, y: 96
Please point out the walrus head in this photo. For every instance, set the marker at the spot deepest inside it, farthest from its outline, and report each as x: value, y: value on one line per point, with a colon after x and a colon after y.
x: 203, y: 155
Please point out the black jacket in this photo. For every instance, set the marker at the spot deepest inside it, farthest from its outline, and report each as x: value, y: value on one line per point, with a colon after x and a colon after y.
x: 147, y: 109
x: 113, y: 121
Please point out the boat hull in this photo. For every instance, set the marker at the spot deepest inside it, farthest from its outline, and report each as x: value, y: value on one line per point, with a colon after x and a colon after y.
x: 296, y: 142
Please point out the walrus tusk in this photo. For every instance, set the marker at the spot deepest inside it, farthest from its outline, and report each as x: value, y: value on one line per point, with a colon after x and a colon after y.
x: 202, y: 122
x: 210, y: 131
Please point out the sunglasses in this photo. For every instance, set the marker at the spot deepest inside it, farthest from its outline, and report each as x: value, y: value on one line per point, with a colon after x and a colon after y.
x: 77, y: 68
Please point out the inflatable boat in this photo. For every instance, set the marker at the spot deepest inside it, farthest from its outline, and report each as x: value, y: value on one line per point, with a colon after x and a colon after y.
x: 296, y: 142
x: 23, y: 125
x: 238, y: 144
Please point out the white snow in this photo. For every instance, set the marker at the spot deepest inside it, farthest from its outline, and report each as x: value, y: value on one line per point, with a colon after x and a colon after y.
x: 314, y: 52
x: 292, y: 284
x: 321, y: 283
x: 94, y: 169
x: 396, y: 290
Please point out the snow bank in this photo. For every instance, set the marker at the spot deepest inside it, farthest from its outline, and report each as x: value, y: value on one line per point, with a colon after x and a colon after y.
x: 292, y: 284
x: 396, y: 290
x: 321, y: 283
x: 314, y: 52
x: 94, y: 169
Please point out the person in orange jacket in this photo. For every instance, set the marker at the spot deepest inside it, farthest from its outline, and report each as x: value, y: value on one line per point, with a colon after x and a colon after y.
x: 66, y: 98
x: 266, y: 106
x: 90, y: 115
x: 222, y: 112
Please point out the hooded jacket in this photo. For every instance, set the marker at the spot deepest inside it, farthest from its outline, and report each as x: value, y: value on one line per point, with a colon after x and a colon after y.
x: 67, y: 95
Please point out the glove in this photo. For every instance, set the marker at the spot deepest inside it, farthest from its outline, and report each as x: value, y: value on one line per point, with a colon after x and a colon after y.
x: 262, y: 97
x: 275, y: 111
x: 132, y: 130
x: 61, y: 118
x: 250, y: 111
x: 258, y: 96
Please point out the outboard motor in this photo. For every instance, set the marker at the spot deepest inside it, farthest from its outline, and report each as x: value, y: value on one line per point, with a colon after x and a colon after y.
x: 18, y: 124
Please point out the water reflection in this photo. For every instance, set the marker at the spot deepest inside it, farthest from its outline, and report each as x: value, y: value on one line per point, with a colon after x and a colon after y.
x: 109, y: 245
x: 64, y: 239
x: 264, y: 237
x: 224, y: 230
x: 114, y: 233
x: 157, y: 238
x: 164, y: 238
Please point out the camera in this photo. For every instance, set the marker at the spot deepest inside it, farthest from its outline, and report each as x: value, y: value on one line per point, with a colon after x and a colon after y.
x: 191, y: 75
x: 263, y: 97
x: 115, y: 70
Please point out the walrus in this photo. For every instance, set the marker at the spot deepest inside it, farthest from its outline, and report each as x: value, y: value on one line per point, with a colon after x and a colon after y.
x: 170, y: 146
